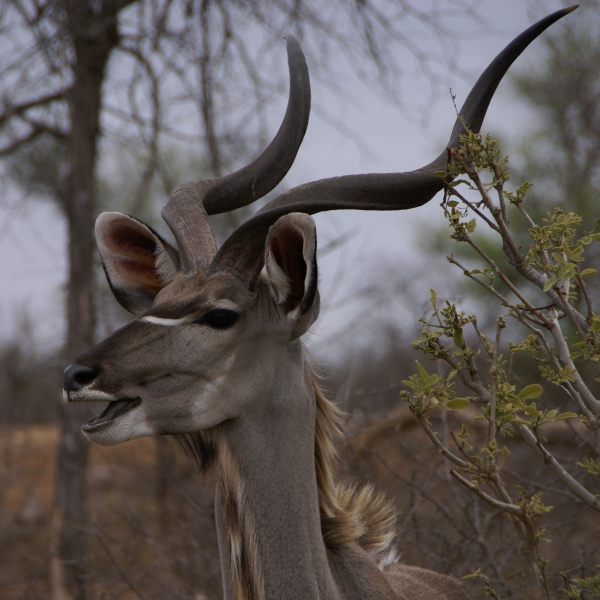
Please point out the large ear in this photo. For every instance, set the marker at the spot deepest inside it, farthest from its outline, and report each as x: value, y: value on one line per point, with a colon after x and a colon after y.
x: 291, y: 262
x: 138, y: 263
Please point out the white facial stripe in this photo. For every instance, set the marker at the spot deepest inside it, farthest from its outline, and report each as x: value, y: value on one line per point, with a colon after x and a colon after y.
x: 173, y: 322
x: 162, y: 321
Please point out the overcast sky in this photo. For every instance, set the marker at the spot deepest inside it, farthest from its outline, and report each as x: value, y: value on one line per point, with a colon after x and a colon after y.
x: 32, y: 236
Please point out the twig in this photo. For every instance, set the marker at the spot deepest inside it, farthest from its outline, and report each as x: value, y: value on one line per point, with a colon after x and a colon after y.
x: 565, y: 358
x: 549, y: 460
x: 117, y: 566
x: 588, y: 301
x: 512, y: 509
x: 443, y: 450
x: 452, y: 192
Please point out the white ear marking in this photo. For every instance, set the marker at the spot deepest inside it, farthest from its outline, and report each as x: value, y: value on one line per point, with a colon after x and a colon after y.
x: 280, y: 283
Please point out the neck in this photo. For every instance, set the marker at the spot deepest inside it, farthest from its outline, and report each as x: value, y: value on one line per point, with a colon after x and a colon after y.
x: 267, y: 499
x: 267, y: 503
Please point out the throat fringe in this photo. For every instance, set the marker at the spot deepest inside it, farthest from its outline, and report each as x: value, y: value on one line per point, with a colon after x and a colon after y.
x: 244, y: 557
x: 349, y: 513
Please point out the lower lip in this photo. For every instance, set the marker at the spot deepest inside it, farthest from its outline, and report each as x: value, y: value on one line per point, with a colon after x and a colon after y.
x: 125, y: 406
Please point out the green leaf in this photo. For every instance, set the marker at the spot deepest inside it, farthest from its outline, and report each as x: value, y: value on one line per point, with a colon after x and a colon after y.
x: 596, y: 228
x: 423, y: 374
x: 566, y: 272
x: 505, y: 452
x: 519, y: 403
x: 550, y: 283
x: 567, y: 415
x: 471, y: 225
x: 588, y: 273
x: 530, y: 392
x: 458, y: 338
x: 440, y: 173
x: 458, y: 404
x: 458, y: 182
x: 551, y: 414
x: 432, y: 380
x: 532, y: 411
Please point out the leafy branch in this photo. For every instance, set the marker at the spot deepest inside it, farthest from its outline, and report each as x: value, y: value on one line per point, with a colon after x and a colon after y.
x: 543, y: 290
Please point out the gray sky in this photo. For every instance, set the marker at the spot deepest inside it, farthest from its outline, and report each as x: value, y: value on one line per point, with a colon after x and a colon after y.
x: 32, y: 237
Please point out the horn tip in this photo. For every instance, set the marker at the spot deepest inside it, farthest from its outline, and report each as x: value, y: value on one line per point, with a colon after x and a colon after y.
x: 570, y: 9
x: 291, y: 41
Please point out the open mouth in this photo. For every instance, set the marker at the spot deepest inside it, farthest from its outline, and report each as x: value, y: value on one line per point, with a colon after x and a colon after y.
x: 114, y: 409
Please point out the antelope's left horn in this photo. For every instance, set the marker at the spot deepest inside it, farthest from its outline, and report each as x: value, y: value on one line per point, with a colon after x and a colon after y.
x: 190, y: 203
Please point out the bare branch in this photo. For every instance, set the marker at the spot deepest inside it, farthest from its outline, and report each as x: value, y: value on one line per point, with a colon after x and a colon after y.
x: 565, y: 358
x: 512, y: 509
x: 16, y: 144
x: 582, y: 493
x: 443, y: 450
x: 12, y: 110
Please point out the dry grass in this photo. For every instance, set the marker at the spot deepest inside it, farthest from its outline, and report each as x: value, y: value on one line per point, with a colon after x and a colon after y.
x: 151, y: 520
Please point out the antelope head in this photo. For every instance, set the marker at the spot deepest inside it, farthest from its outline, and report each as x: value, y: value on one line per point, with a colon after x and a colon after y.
x: 211, y: 327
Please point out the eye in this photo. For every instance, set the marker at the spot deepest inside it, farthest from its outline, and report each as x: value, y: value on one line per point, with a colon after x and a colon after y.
x: 219, y: 318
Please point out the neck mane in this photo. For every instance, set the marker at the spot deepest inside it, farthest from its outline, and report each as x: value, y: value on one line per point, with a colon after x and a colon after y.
x: 348, y: 514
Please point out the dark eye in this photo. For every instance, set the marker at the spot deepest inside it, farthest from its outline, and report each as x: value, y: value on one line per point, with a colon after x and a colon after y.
x: 219, y: 318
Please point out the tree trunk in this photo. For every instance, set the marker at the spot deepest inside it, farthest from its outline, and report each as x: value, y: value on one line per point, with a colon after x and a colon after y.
x: 93, y: 35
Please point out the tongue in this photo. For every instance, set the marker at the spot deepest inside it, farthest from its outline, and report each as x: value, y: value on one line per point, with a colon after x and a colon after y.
x: 113, y: 410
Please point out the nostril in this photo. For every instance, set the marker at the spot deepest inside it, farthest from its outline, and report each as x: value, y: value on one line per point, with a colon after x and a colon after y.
x: 78, y: 376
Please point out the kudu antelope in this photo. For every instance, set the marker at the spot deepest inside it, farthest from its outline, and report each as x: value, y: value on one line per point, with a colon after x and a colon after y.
x: 214, y: 357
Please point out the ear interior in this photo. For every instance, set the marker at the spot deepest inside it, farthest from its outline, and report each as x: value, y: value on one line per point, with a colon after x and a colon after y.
x: 138, y: 263
x: 290, y: 258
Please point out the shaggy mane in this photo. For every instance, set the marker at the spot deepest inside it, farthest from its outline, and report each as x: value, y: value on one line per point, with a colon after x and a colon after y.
x: 349, y: 513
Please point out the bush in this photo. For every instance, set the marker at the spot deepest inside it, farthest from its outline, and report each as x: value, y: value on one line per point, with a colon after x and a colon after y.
x: 548, y: 321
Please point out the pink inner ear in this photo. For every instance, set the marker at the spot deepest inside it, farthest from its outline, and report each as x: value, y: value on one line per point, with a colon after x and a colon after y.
x: 138, y: 273
x: 125, y: 240
x: 128, y: 250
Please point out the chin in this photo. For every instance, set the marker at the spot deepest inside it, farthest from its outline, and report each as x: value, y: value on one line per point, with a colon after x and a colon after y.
x: 123, y: 427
